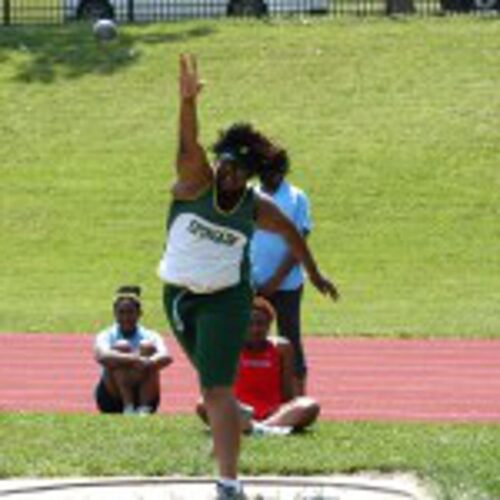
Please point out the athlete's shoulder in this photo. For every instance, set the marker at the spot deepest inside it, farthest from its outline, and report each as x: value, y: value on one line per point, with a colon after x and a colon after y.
x: 277, y: 341
x: 107, y: 332
x: 254, y: 192
x: 148, y: 333
x: 256, y: 189
x: 190, y: 191
x: 297, y: 192
x: 106, y: 337
x: 260, y: 195
x: 282, y: 345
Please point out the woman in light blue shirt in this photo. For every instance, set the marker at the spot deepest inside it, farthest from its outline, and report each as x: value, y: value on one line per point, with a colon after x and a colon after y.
x: 276, y: 273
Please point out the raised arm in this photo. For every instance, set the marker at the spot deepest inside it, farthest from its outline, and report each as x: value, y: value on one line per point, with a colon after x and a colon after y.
x: 271, y: 218
x: 193, y: 170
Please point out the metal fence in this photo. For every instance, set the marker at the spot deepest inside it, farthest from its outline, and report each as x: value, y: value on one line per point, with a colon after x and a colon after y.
x: 15, y: 12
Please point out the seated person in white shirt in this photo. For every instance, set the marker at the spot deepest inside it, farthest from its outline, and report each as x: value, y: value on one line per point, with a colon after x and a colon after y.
x: 132, y: 357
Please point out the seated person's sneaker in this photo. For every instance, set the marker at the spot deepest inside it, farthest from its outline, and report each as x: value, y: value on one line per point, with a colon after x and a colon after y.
x: 259, y: 429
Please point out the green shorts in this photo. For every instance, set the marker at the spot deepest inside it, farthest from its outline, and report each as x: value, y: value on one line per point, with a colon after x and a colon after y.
x: 211, y: 329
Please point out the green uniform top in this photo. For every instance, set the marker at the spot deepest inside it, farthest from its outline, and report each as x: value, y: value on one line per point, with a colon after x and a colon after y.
x: 207, y: 249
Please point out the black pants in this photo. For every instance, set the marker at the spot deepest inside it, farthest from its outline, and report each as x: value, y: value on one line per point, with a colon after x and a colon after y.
x: 287, y: 305
x: 106, y: 403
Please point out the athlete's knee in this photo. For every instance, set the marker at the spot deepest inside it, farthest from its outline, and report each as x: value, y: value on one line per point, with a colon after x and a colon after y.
x: 201, y: 410
x: 309, y: 409
x: 215, y: 394
x: 122, y: 346
x: 147, y: 348
x: 307, y: 403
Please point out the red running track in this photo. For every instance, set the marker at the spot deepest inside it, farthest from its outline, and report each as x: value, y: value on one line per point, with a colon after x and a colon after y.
x: 354, y: 379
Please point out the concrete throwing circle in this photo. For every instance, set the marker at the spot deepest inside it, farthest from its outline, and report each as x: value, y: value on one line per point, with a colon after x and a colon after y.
x: 358, y: 487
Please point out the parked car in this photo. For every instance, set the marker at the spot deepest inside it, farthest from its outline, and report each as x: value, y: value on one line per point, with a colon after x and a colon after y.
x: 156, y: 10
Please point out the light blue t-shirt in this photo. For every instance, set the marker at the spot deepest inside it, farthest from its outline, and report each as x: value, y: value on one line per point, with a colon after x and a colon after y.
x: 268, y: 250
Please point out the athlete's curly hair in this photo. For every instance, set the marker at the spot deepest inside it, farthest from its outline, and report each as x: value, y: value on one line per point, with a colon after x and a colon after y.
x: 278, y: 162
x: 246, y: 146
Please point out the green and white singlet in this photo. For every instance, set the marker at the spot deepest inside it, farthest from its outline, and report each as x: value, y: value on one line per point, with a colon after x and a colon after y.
x: 207, y: 292
x: 207, y: 249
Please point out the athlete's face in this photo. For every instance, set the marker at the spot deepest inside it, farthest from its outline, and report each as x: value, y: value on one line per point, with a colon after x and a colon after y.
x: 127, y: 315
x: 230, y: 177
x: 259, y: 326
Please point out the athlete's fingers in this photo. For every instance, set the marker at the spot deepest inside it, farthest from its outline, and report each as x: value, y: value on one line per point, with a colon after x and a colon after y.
x: 334, y: 293
x: 330, y: 289
x: 183, y: 64
x: 194, y: 65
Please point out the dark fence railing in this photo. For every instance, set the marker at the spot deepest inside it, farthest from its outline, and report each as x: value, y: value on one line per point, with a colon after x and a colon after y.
x: 14, y: 12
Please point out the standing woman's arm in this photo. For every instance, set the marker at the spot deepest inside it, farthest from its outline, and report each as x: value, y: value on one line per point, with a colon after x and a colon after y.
x: 271, y: 218
x: 193, y: 170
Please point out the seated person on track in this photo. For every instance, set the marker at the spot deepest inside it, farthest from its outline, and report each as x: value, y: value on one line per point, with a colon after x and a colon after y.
x: 132, y: 357
x: 264, y: 385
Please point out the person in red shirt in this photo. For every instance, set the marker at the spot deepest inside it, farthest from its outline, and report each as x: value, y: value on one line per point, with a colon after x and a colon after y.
x: 264, y: 384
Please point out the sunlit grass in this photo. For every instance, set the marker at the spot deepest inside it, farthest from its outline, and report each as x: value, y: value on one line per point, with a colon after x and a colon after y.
x: 393, y: 131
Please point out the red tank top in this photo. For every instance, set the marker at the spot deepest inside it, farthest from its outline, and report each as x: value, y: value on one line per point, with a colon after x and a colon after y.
x: 258, y: 383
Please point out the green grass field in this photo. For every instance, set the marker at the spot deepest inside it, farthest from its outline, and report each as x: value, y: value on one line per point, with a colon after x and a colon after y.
x: 32, y: 12
x: 393, y: 128
x: 460, y: 462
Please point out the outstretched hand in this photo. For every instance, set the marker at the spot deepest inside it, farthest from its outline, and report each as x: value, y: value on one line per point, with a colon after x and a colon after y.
x: 189, y: 83
x: 325, y: 286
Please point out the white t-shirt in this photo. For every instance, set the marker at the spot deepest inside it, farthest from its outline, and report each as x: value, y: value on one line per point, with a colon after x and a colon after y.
x: 107, y: 338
